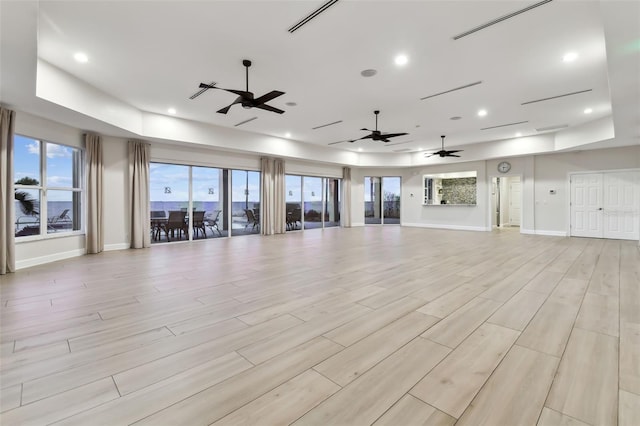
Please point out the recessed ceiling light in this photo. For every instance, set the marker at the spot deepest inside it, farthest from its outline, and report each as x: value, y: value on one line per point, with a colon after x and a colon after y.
x: 401, y: 60
x: 360, y: 149
x: 482, y: 112
x: 368, y: 73
x: 588, y: 111
x: 81, y: 57
x: 569, y: 57
x: 518, y: 134
x: 287, y: 135
x: 171, y: 110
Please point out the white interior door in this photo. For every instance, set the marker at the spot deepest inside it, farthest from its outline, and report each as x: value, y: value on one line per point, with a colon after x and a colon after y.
x: 586, y: 205
x: 621, y: 206
x: 514, y: 202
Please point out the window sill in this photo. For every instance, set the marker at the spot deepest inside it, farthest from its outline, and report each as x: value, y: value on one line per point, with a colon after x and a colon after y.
x: 52, y: 236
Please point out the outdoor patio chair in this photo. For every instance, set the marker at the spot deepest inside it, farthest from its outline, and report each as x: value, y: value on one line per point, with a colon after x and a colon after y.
x: 175, y: 222
x: 213, y: 223
x: 252, y: 220
x: 198, y: 223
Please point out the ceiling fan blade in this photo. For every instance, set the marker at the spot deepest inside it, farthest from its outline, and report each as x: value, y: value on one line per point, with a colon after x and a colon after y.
x: 334, y: 143
x: 451, y: 155
x: 367, y: 130
x: 393, y: 135
x: 208, y: 86
x: 225, y: 109
x: 455, y: 150
x: 269, y: 108
x: 430, y: 155
x: 266, y: 98
x: 246, y: 95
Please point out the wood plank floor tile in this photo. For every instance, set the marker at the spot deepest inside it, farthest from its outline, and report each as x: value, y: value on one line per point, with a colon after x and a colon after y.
x: 410, y: 411
x: 217, y: 401
x: 284, y: 404
x: 264, y: 349
x: 545, y: 282
x: 550, y: 328
x: 368, y: 397
x: 518, y: 311
x: 551, y: 417
x: 89, y: 370
x: 361, y: 327
x: 351, y: 363
x: 629, y: 411
x: 451, y: 386
x: 62, y: 405
x: 599, y: 313
x: 10, y: 397
x: 150, y: 372
x: 630, y: 357
x: 452, y: 330
x: 503, y: 401
x: 138, y: 405
x: 451, y: 301
x: 586, y: 386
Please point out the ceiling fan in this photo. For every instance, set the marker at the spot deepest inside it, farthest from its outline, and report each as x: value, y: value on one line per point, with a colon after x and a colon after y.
x: 376, y: 134
x: 245, y: 97
x: 443, y: 152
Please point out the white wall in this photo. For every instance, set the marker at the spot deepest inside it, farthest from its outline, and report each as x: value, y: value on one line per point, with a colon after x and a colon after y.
x: 117, y: 222
x: 552, y: 172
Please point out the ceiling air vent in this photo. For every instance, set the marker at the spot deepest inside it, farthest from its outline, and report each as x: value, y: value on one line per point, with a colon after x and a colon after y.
x: 554, y: 127
x: 312, y: 15
x: 245, y: 121
x: 452, y: 90
x: 500, y: 19
x: 326, y: 125
x: 504, y: 125
x: 556, y: 97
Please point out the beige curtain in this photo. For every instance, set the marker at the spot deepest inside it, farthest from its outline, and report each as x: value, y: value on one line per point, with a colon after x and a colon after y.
x: 95, y: 215
x: 139, y: 190
x: 7, y: 197
x: 346, y: 197
x: 279, y: 207
x: 266, y: 196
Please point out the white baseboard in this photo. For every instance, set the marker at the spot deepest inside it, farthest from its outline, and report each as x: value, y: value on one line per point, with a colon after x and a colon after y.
x: 35, y: 261
x: 119, y: 246
x: 543, y: 232
x: 442, y: 226
x: 354, y: 224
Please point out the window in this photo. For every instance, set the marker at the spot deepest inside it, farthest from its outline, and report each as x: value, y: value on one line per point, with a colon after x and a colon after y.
x: 48, y: 184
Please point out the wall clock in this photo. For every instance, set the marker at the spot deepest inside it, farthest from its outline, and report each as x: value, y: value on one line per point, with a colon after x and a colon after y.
x: 504, y: 167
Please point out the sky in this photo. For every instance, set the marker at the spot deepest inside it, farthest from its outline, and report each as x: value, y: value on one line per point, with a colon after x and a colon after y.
x: 59, y: 165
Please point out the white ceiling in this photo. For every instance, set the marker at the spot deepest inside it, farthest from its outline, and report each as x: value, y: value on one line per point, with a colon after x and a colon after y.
x: 153, y: 54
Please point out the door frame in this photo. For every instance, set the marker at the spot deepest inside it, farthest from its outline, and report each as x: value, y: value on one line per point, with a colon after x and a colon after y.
x: 490, y: 177
x: 584, y: 172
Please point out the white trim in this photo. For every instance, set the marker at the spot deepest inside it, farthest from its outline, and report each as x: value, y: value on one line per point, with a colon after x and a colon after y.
x: 355, y: 224
x: 21, y: 264
x: 489, y: 184
x: 543, y: 232
x: 119, y: 246
x: 443, y: 226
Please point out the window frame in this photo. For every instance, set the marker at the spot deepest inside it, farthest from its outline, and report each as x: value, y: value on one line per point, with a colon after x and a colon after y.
x: 43, y: 187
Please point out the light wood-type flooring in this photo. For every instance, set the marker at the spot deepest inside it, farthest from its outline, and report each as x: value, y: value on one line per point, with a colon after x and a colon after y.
x: 374, y: 325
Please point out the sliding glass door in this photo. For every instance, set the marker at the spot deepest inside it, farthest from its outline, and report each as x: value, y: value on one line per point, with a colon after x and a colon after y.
x: 293, y: 191
x: 245, y: 202
x: 382, y: 200
x: 312, y: 189
x: 331, y: 202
